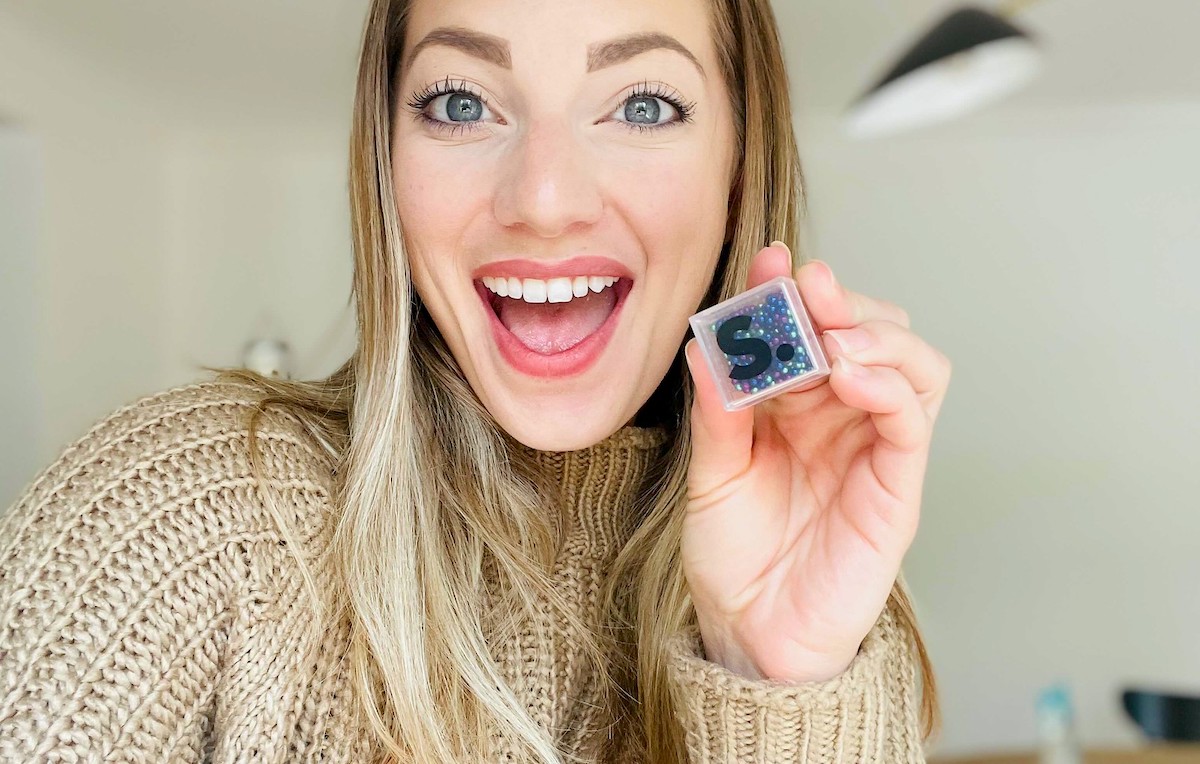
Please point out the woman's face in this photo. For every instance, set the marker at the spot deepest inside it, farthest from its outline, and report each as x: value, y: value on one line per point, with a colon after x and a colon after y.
x: 582, y: 152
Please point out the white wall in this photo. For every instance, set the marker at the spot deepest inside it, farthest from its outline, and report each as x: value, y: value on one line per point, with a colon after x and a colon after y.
x: 162, y: 246
x: 1053, y: 256
x: 260, y: 236
x: 21, y: 401
x: 100, y: 235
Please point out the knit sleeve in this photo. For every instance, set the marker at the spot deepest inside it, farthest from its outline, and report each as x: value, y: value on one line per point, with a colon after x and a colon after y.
x: 117, y: 586
x: 868, y: 713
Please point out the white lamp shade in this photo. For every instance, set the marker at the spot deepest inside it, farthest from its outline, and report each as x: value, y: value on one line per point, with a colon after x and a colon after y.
x: 970, y: 60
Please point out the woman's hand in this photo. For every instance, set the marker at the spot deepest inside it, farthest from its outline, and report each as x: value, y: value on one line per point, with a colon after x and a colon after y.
x: 801, y: 508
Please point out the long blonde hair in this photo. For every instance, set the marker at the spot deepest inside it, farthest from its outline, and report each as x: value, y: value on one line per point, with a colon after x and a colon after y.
x: 431, y: 491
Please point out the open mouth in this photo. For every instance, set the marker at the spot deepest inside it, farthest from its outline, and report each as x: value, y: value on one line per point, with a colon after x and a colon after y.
x: 553, y: 316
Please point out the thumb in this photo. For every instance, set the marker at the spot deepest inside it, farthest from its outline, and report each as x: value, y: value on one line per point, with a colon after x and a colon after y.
x: 721, y: 439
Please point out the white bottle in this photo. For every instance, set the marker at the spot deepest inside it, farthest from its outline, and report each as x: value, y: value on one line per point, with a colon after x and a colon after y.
x: 1058, y: 742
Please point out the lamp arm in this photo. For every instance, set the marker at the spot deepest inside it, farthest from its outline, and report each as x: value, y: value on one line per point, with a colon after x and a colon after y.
x: 1010, y: 8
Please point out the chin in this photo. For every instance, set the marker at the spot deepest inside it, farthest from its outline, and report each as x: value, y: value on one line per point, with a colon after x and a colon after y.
x: 560, y: 433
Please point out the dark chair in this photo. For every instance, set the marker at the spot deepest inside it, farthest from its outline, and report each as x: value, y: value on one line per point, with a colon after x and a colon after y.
x: 1163, y: 716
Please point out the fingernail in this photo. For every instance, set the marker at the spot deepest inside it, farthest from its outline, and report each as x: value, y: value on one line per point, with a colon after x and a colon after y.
x: 778, y: 243
x: 850, y: 367
x: 850, y: 340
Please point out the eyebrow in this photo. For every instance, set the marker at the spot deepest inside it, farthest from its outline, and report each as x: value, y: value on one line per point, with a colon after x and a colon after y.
x: 495, y: 50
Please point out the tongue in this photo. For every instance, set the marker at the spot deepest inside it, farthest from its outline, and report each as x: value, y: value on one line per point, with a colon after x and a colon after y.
x: 552, y: 327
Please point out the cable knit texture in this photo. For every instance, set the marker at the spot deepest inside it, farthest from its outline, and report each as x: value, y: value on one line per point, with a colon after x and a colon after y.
x: 149, y: 612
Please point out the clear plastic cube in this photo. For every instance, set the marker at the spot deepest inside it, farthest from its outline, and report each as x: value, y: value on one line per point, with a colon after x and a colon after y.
x: 761, y: 343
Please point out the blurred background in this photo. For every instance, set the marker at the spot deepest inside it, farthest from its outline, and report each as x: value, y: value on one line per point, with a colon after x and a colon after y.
x: 173, y: 187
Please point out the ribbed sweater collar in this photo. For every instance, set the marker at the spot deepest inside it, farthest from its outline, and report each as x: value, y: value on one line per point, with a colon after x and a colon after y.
x: 601, y: 481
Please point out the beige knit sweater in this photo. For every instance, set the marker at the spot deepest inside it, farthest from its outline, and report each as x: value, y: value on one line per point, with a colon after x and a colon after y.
x: 149, y: 612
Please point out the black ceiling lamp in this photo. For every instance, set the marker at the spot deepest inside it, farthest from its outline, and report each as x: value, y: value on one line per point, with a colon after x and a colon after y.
x: 972, y: 57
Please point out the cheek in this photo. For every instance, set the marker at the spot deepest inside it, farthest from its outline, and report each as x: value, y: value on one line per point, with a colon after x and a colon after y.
x: 430, y: 189
x: 436, y: 191
x: 677, y: 206
x: 671, y: 195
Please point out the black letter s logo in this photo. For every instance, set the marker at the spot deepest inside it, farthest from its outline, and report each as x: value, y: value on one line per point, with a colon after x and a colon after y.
x: 746, y: 346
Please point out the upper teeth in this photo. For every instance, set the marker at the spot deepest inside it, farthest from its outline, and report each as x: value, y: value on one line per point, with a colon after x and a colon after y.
x: 547, y: 290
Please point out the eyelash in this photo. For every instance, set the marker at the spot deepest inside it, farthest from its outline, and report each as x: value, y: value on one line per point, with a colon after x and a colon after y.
x: 421, y: 100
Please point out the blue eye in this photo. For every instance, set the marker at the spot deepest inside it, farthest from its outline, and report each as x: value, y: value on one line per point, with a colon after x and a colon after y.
x: 464, y: 109
x: 642, y: 111
x: 642, y: 107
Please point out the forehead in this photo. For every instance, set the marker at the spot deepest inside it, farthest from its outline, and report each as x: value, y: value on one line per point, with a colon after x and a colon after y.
x: 567, y: 32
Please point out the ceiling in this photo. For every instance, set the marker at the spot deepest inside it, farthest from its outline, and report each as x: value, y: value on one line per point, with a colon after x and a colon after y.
x: 271, y: 60
x: 1096, y: 51
x: 214, y: 59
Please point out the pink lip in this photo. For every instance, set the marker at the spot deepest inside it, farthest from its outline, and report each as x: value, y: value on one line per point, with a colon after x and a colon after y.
x: 573, y: 360
x: 589, y: 265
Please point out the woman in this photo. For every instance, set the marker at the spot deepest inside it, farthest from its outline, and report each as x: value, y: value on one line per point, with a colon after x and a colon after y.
x: 513, y: 526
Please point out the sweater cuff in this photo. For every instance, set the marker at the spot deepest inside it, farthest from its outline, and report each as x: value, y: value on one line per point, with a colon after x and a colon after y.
x: 865, y: 714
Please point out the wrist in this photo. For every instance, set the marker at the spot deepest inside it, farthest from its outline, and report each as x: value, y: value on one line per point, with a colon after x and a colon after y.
x: 732, y: 656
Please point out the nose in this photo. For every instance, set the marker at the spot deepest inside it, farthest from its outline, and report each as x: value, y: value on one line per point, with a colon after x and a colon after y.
x: 550, y: 184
